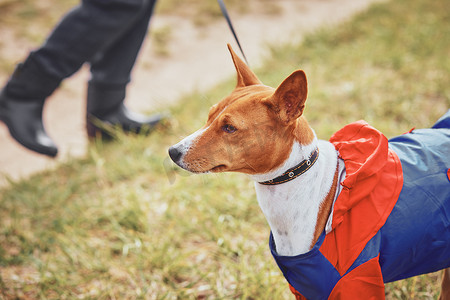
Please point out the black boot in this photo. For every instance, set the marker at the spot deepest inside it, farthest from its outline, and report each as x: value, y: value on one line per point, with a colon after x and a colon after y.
x: 106, y: 111
x: 21, y: 104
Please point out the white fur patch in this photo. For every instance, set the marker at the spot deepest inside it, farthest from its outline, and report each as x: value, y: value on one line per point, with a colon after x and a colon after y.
x: 341, y: 177
x: 291, y: 208
x: 186, y: 144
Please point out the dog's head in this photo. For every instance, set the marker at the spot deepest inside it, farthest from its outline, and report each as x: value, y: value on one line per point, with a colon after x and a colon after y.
x: 251, y: 130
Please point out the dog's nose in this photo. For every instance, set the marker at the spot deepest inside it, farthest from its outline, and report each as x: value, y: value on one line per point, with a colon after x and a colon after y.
x: 174, y: 154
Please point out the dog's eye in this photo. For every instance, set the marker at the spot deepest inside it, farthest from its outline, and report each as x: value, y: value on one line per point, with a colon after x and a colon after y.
x: 229, y: 128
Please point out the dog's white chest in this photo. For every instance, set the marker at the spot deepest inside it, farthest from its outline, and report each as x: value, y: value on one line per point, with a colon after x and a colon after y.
x: 292, y: 208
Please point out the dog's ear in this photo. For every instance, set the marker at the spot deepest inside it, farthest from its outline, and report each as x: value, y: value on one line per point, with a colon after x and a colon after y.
x: 289, y: 98
x: 245, y: 76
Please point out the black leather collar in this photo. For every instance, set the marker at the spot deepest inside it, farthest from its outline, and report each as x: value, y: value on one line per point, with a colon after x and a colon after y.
x: 295, y: 171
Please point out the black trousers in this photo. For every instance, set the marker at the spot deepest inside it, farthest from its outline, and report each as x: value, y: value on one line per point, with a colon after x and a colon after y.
x: 107, y: 34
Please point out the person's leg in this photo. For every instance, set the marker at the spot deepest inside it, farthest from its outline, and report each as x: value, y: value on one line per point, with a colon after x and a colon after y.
x: 85, y: 31
x: 111, y: 70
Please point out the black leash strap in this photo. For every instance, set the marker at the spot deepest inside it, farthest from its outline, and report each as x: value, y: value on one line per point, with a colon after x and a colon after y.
x: 227, y: 17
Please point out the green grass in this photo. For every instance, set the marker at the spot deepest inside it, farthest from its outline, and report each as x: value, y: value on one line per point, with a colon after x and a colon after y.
x: 123, y: 224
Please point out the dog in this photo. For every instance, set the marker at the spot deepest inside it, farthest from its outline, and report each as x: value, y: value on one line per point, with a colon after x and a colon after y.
x: 346, y: 215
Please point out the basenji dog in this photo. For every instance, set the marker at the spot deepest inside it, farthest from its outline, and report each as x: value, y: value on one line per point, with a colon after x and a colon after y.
x: 346, y: 215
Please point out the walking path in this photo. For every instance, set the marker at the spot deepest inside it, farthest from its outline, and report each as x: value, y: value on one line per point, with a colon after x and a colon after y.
x: 197, y: 60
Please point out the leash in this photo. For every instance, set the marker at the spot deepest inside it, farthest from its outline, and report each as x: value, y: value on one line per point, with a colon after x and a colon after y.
x: 295, y: 171
x: 223, y: 8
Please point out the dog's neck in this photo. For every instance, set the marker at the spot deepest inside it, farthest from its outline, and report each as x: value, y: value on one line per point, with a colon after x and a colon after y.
x: 297, y: 211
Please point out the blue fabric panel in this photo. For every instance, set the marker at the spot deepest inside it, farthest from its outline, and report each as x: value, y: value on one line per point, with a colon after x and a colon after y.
x: 371, y: 250
x: 311, y: 274
x: 444, y: 121
x: 416, y: 236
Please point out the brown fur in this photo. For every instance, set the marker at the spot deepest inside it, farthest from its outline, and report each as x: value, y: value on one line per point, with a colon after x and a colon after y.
x: 255, y: 110
x: 267, y: 122
x: 445, y: 290
x: 325, y: 210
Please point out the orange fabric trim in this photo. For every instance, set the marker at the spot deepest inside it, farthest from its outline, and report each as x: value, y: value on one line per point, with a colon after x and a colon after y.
x: 373, y: 182
x: 371, y: 188
x: 297, y: 295
x: 364, y: 282
x: 411, y: 130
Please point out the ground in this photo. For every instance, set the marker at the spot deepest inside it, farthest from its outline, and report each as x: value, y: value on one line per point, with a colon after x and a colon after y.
x: 193, y: 58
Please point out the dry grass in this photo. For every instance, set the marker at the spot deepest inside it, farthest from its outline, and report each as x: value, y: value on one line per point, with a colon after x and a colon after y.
x: 122, y: 224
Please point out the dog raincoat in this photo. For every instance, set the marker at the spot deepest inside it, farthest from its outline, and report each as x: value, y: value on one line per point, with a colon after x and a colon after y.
x: 390, y: 221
